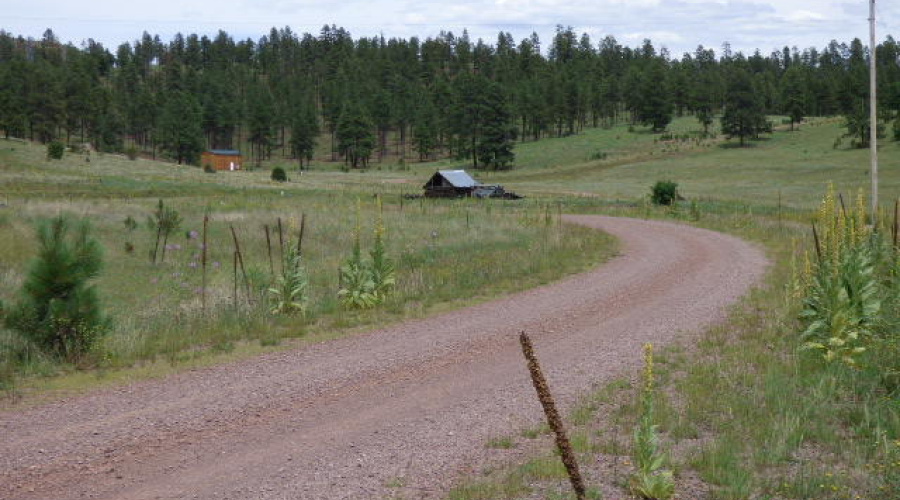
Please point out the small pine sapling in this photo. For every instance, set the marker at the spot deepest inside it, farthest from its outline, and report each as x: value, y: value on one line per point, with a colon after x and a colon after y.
x: 60, y: 310
x: 164, y: 220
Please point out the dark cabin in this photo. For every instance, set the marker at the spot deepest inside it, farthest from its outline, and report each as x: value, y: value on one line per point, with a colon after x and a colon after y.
x: 450, y: 184
x: 222, y: 159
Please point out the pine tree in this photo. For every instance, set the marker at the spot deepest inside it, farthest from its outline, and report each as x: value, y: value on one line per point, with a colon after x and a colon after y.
x: 304, y: 132
x: 425, y: 129
x: 60, y: 310
x: 180, y: 132
x: 354, y: 134
x: 261, y: 121
x: 654, y: 105
x: 743, y: 113
x: 792, y: 94
x: 496, y: 141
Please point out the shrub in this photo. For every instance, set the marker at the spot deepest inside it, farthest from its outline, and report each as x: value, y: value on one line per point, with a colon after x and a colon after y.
x: 664, y: 193
x: 209, y: 169
x: 279, y: 175
x: 60, y: 310
x: 55, y: 150
x: 131, y: 152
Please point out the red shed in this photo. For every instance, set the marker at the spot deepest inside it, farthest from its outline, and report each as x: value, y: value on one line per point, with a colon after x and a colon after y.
x: 222, y: 159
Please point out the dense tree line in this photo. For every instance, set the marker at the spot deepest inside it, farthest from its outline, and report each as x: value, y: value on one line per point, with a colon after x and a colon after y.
x: 442, y: 96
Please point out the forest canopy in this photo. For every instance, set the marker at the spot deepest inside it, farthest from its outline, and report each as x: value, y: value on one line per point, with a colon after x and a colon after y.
x: 446, y: 96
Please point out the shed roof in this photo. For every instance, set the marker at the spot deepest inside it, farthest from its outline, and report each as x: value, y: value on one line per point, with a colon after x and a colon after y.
x: 226, y: 152
x: 457, y: 178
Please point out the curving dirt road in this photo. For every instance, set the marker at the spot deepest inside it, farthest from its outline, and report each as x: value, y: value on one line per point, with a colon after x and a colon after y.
x: 416, y: 401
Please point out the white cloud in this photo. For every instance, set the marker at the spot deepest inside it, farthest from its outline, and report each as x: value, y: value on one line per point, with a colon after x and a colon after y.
x: 680, y: 25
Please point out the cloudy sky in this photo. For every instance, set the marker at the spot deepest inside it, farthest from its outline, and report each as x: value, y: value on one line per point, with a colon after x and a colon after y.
x: 679, y: 25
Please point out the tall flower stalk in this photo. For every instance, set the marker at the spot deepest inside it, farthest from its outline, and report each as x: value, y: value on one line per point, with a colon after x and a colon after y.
x: 651, y: 480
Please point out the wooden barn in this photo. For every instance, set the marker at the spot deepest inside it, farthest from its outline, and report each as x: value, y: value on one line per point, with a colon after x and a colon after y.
x: 222, y: 159
x: 450, y: 184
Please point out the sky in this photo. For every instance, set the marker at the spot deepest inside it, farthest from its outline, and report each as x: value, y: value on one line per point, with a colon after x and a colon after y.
x: 678, y: 25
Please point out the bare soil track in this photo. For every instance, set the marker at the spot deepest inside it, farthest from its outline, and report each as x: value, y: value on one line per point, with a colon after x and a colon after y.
x: 411, y: 404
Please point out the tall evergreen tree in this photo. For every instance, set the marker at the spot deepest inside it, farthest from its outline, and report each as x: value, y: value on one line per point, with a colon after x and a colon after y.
x: 179, y: 132
x: 495, y: 145
x: 793, y: 94
x: 743, y: 111
x: 654, y: 105
x: 261, y: 121
x: 354, y: 134
x: 304, y: 131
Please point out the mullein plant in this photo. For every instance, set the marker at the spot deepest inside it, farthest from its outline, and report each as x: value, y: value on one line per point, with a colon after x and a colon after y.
x: 382, y: 269
x: 290, y: 292
x: 651, y: 480
x: 366, y: 284
x: 842, y: 303
x: 357, y: 286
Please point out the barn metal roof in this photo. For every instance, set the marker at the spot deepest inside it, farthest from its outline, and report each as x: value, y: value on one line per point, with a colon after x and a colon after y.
x: 228, y: 152
x: 458, y: 178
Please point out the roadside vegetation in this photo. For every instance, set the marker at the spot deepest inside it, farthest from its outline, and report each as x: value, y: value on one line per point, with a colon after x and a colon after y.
x: 795, y: 395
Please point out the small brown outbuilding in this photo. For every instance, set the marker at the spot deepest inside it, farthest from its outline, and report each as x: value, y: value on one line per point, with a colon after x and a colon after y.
x: 222, y: 159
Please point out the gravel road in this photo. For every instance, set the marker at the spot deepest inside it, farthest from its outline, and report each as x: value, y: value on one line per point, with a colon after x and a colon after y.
x: 413, y: 403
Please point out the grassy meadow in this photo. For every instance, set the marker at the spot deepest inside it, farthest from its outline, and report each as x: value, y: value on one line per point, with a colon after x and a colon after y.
x: 447, y: 254
x: 745, y: 414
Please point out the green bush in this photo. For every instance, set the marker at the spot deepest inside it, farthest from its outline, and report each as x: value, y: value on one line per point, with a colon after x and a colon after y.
x: 664, y: 193
x: 279, y: 175
x: 59, y: 310
x: 209, y: 169
x: 131, y: 152
x: 55, y: 150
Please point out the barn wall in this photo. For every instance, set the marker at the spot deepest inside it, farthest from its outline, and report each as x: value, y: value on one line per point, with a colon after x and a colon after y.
x: 221, y: 162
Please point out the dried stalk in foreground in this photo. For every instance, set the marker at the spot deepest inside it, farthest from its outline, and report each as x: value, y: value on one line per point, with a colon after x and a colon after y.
x: 562, y: 442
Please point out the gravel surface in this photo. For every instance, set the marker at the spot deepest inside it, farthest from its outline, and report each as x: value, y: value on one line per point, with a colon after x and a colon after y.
x: 412, y: 404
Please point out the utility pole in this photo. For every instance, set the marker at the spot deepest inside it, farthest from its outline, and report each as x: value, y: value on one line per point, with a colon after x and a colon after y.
x: 873, y: 123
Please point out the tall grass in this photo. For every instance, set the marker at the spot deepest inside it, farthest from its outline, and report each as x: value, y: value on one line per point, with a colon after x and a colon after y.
x: 444, y: 253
